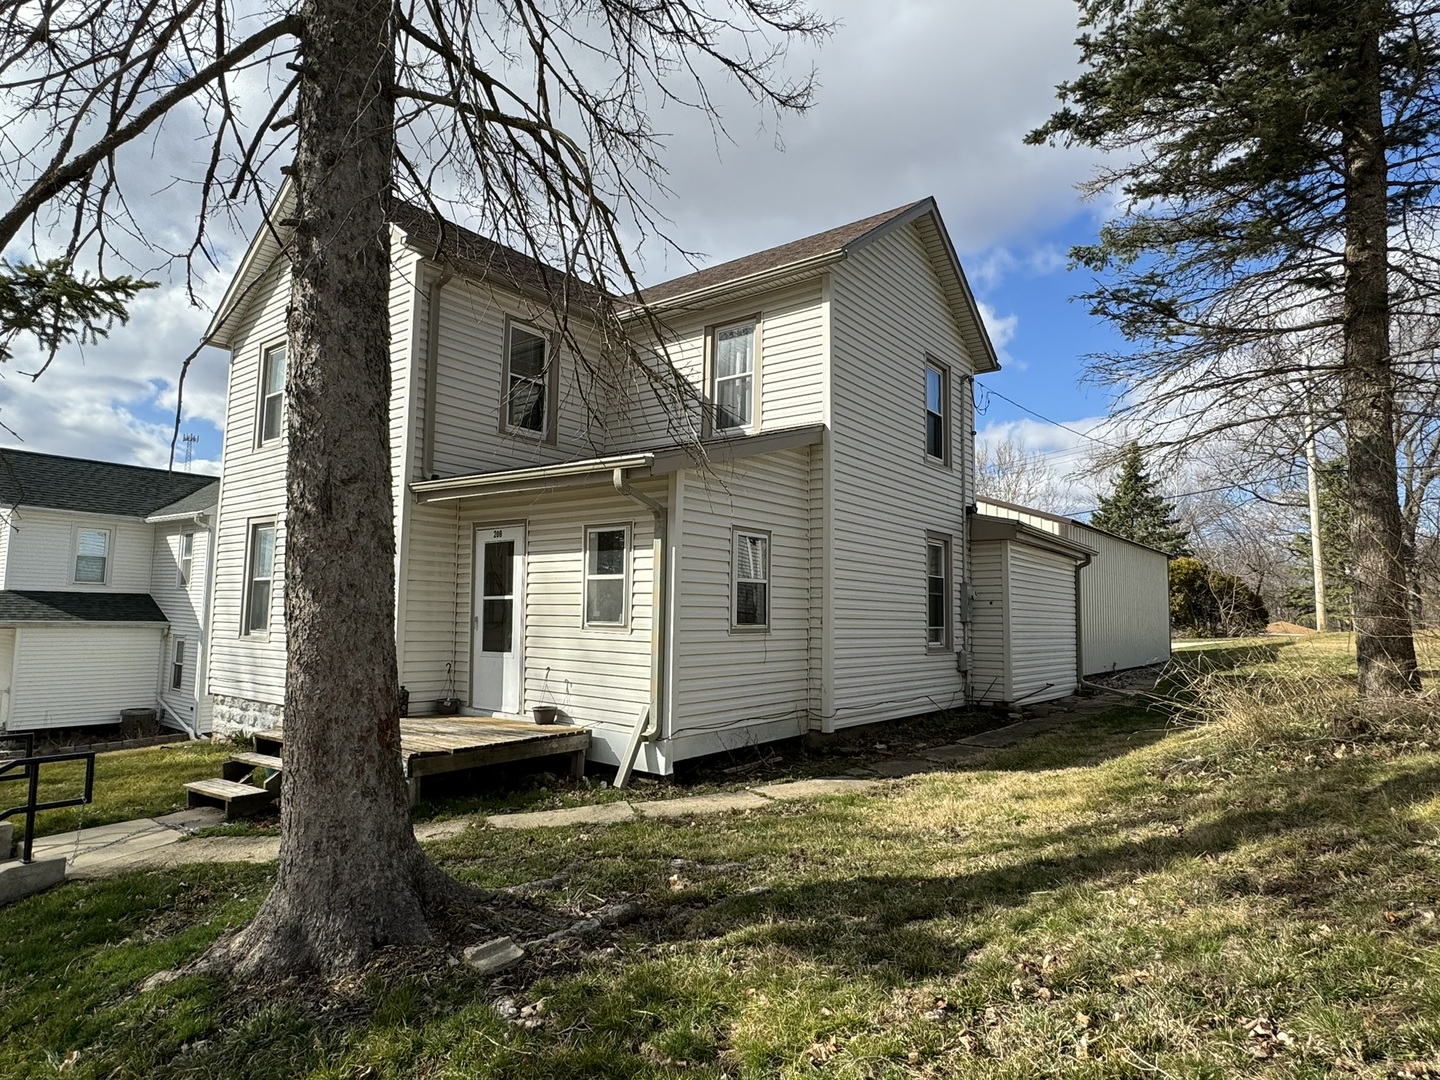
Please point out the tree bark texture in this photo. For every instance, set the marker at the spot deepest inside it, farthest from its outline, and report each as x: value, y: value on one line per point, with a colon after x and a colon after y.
x: 351, y: 876
x: 1385, y: 647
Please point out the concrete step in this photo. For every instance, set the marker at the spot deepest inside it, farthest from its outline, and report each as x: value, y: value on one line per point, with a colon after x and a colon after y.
x: 236, y: 799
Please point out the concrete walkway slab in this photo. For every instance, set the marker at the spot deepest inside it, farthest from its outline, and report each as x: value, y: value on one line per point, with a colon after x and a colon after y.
x: 213, y: 849
x: 1014, y: 733
x: 899, y: 768
x: 91, y: 851
x: 605, y: 814
x: 816, y: 789
x: 693, y: 805
x: 19, y: 880
x: 952, y: 753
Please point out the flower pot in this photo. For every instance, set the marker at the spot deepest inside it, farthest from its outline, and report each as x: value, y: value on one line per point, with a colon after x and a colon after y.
x: 545, y: 714
x: 447, y: 706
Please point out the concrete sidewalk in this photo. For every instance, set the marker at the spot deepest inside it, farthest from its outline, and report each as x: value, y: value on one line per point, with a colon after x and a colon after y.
x: 156, y: 842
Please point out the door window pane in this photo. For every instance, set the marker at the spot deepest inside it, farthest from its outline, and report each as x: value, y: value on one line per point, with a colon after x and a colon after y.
x: 497, y: 625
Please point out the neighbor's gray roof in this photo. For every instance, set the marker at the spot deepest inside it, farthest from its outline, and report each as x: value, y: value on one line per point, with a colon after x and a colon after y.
x: 197, y: 502
x: 70, y: 607
x: 96, y: 487
x: 831, y: 241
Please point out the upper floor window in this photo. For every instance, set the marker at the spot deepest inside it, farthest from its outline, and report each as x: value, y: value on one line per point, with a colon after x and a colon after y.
x: 937, y: 397
x: 937, y: 592
x: 272, y: 393
x: 751, y: 575
x: 187, y: 558
x: 606, y: 575
x: 92, y: 556
x: 527, y: 378
x: 733, y: 376
x: 259, y: 577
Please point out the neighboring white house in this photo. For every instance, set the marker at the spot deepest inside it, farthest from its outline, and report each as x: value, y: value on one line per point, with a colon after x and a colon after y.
x: 103, y: 585
x: 1124, y: 593
x: 810, y: 573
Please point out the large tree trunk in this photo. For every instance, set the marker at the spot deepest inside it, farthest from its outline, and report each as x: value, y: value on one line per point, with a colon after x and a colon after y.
x: 1385, y: 645
x: 351, y: 876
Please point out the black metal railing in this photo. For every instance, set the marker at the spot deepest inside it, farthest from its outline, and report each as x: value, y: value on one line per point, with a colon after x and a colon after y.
x: 27, y: 768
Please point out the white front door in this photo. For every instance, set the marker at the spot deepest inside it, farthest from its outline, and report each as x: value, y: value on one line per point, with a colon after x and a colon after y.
x: 497, y: 625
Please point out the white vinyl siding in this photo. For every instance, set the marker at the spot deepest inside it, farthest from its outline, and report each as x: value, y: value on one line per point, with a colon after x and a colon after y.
x: 184, y: 607
x: 75, y: 675
x: 734, y: 689
x: 42, y: 551
x: 889, y: 319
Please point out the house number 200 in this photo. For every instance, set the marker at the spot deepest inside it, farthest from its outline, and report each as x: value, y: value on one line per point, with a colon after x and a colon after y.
x: 499, y: 533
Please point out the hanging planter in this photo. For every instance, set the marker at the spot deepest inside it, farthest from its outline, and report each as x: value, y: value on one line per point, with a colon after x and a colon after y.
x: 449, y: 705
x: 545, y: 714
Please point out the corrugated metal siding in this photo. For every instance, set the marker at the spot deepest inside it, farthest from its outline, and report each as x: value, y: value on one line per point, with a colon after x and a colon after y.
x: 1125, y: 604
x: 888, y: 312
x: 82, y: 675
x: 732, y: 681
x: 1041, y: 624
x: 989, y: 638
x: 44, y: 547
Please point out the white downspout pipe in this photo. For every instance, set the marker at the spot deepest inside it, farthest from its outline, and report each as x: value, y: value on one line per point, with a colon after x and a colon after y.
x: 659, y: 620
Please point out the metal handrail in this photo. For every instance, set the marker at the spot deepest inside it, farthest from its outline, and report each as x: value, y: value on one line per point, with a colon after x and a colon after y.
x: 29, y: 769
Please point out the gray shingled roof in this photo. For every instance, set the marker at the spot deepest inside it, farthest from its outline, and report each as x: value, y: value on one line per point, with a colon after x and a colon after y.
x: 832, y: 241
x: 97, y: 487
x: 195, y: 503
x: 27, y: 606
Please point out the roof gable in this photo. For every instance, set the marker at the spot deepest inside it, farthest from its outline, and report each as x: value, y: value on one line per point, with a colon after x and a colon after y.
x: 47, y: 481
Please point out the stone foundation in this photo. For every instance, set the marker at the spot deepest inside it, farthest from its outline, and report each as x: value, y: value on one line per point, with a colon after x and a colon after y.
x: 241, y: 716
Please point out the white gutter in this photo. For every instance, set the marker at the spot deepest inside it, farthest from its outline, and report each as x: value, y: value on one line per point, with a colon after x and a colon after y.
x: 659, y: 622
x: 433, y: 491
x: 432, y: 373
x: 197, y: 517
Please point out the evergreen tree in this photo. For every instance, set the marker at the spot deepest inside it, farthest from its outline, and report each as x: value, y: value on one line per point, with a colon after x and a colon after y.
x: 1136, y: 510
x: 1279, y: 165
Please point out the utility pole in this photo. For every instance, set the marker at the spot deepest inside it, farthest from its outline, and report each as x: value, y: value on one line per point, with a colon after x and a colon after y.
x: 1312, y: 470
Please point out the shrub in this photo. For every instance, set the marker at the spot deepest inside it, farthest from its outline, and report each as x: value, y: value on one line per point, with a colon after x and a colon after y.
x: 1210, y: 603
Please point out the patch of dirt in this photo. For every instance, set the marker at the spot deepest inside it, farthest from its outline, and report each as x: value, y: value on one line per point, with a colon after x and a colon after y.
x: 1288, y: 628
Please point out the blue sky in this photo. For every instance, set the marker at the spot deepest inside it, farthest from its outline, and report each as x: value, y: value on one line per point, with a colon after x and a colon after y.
x: 917, y: 98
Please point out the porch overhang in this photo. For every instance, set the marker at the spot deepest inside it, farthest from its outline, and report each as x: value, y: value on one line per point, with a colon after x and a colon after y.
x: 660, y: 461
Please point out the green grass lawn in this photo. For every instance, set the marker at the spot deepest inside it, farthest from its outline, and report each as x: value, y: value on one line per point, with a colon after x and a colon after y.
x: 128, y: 784
x: 1128, y: 897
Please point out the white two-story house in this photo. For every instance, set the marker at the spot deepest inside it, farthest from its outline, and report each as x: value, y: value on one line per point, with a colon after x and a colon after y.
x: 104, y: 575
x: 782, y: 548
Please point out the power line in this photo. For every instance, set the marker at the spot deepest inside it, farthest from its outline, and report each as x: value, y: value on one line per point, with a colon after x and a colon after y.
x: 1041, y: 416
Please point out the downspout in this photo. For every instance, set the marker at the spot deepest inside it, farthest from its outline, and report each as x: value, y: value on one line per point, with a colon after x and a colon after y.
x: 432, y: 373
x: 659, y: 616
x: 202, y: 662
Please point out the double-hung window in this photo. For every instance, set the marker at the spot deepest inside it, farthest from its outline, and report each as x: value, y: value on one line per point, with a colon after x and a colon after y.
x: 259, y: 577
x: 187, y: 558
x: 937, y: 397
x: 177, y: 665
x: 937, y: 592
x: 92, y: 556
x: 750, y: 570
x: 272, y: 393
x: 526, y: 376
x: 733, y: 376
x: 606, y: 575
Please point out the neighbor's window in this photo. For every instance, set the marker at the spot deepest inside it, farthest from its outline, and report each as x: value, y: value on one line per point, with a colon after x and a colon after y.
x: 605, y: 575
x: 187, y: 557
x: 733, y: 351
x: 272, y: 393
x: 525, y: 400
x: 92, y: 556
x: 259, y: 578
x: 937, y: 394
x: 177, y: 665
x: 751, y: 573
x: 937, y: 592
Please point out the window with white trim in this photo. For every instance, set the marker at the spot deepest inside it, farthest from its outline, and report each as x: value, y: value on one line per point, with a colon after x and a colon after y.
x: 186, y: 559
x: 606, y: 575
x: 177, y: 665
x: 732, y: 377
x: 750, y: 570
x: 937, y: 592
x: 259, y: 578
x: 937, y: 397
x: 527, y: 375
x: 272, y: 394
x: 92, y: 556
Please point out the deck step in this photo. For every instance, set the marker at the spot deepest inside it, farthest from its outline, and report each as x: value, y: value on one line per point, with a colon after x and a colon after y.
x: 237, y: 800
x: 241, y: 766
x: 268, y: 741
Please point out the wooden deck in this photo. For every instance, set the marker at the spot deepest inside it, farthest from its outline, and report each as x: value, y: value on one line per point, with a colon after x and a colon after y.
x: 431, y: 745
